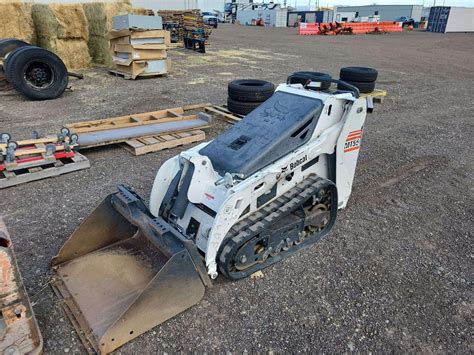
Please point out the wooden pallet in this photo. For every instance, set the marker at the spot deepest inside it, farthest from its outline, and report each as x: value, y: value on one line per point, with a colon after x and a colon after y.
x: 175, y: 46
x: 168, y: 115
x: 223, y: 113
x: 128, y: 76
x: 59, y: 167
x: 143, y: 145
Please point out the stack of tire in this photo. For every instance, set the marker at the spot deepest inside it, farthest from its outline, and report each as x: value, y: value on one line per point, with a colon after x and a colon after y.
x: 34, y: 72
x: 311, y: 80
x: 361, y: 77
x: 245, y: 95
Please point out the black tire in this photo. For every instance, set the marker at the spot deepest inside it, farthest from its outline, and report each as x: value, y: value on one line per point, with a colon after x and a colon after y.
x: 302, y: 77
x: 241, y: 107
x: 36, y: 73
x: 360, y: 74
x: 8, y: 58
x: 7, y: 45
x: 250, y: 90
x: 363, y: 87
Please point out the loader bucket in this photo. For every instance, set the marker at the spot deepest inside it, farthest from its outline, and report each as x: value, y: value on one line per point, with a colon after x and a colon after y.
x: 123, y: 271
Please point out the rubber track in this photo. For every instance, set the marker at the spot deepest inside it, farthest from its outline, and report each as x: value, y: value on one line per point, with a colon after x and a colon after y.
x: 254, y: 224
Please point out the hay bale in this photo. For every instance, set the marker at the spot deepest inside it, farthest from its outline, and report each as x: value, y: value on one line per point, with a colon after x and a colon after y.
x: 96, y: 18
x: 98, y: 43
x: 99, y: 17
x: 71, y: 21
x: 73, y: 52
x: 16, y: 21
x: 46, y: 26
x: 139, y: 11
x: 52, y: 31
x: 99, y: 50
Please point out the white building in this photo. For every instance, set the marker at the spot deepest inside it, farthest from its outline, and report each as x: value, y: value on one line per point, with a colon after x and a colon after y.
x: 273, y: 15
x: 386, y: 12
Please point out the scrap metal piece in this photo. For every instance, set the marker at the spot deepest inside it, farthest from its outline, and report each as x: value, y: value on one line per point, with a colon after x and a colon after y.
x: 19, y: 332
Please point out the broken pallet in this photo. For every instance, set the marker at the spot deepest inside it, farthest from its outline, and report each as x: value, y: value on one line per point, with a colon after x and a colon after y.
x: 56, y: 168
x: 223, y: 113
x: 143, y: 145
x: 128, y: 76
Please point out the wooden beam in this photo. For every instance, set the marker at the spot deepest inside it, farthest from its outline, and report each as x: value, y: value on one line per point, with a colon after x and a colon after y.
x: 224, y: 115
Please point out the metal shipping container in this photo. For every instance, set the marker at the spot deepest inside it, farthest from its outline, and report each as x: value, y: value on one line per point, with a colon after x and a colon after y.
x: 444, y: 19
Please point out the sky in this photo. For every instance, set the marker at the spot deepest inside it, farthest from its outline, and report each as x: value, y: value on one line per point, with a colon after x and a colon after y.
x: 468, y: 3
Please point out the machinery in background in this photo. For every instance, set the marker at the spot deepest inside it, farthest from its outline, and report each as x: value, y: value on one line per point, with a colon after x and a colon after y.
x: 173, y: 28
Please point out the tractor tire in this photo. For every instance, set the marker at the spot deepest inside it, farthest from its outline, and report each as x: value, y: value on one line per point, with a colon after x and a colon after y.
x: 9, y: 44
x: 249, y: 90
x: 36, y: 73
x: 241, y: 107
x: 360, y: 74
x: 363, y: 87
x: 302, y: 77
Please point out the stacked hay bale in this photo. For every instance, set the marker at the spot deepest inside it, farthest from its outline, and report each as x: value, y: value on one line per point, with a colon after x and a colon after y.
x: 16, y: 21
x: 98, y: 45
x: 63, y: 29
x: 99, y: 17
x: 75, y: 32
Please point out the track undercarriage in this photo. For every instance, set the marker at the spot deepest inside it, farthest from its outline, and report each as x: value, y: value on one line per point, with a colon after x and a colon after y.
x: 300, y: 217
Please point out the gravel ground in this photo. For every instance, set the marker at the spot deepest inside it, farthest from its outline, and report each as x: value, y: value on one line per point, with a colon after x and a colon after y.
x: 395, y: 275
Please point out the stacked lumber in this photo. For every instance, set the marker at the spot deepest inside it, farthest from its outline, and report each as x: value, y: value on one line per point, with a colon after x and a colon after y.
x: 187, y: 20
x: 140, y: 52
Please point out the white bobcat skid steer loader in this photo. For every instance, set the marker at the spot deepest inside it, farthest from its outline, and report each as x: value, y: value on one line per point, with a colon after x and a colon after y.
x: 265, y: 188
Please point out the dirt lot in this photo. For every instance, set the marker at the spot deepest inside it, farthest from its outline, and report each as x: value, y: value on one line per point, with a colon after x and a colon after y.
x: 396, y: 273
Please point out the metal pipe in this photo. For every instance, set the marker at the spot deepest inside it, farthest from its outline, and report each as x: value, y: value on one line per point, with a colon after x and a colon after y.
x: 120, y: 134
